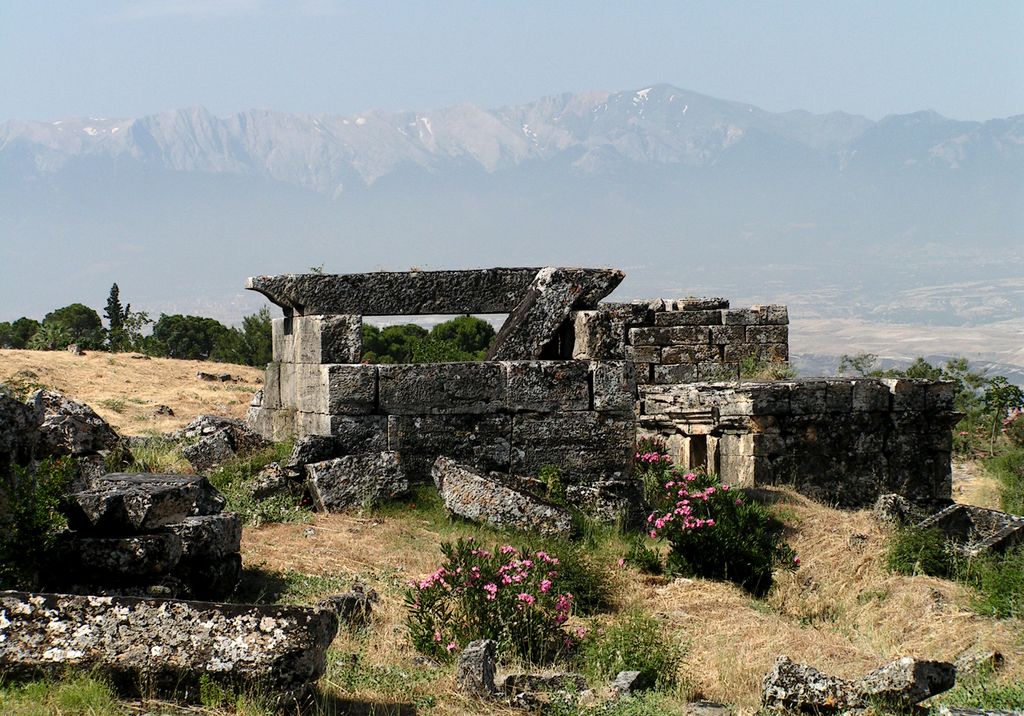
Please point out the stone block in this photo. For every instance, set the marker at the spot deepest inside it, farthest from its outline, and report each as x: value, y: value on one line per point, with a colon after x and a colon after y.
x: 282, y: 340
x: 481, y: 441
x: 618, y: 502
x: 472, y: 495
x: 675, y: 373
x: 644, y: 373
x: 977, y: 530
x: 736, y: 468
x: 545, y: 307
x: 601, y: 334
x: 547, y: 386
x: 712, y: 372
x: 775, y: 314
x: 206, y: 499
x: 341, y: 435
x: 271, y: 395
x: 208, y: 537
x: 669, y: 336
x: 68, y: 427
x: 585, y: 446
x: 116, y: 559
x: 335, y: 389
x: 870, y: 396
x: 213, y: 578
x: 478, y: 663
x: 720, y: 335
x: 906, y: 394
x: 808, y: 397
x: 838, y: 396
x: 164, y: 646
x: 940, y: 396
x: 742, y: 317
x: 644, y: 354
x: 767, y: 334
x: 695, y: 353
x: 699, y: 304
x: 738, y: 352
x: 442, y: 388
x: 139, y: 507
x: 907, y: 681
x: 797, y: 688
x: 614, y: 386
x: 328, y: 339
x: 356, y: 480
x: 688, y: 318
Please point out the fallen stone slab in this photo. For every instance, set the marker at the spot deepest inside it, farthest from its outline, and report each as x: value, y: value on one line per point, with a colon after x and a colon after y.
x: 164, y: 646
x: 474, y: 496
x: 208, y: 536
x: 354, y: 607
x: 115, y: 559
x: 129, y: 503
x: 790, y: 686
x: 546, y: 306
x: 907, y: 681
x: 209, y: 451
x: 965, y: 711
x: 397, y: 293
x: 977, y: 530
x: 356, y: 480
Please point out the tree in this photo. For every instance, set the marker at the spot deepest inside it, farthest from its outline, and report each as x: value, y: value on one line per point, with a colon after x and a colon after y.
x: 186, y: 337
x: 50, y: 337
x: 1000, y: 397
x: 115, y: 315
x: 22, y: 331
x: 250, y: 345
x: 81, y: 324
x: 469, y: 334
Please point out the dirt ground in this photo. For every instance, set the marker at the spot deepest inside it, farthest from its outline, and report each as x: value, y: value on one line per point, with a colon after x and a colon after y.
x: 126, y: 388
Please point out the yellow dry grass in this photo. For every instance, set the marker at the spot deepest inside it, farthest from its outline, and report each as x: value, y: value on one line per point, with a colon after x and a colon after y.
x: 125, y: 389
x: 841, y: 611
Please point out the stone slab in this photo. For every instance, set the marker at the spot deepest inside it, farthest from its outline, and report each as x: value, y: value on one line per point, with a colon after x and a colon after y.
x: 208, y: 537
x: 585, y: 446
x: 688, y: 318
x: 335, y: 389
x: 442, y: 388
x: 137, y: 558
x: 328, y: 339
x: 669, y: 336
x: 398, y: 293
x: 163, y: 645
x: 472, y: 495
x: 546, y: 306
x: 614, y: 386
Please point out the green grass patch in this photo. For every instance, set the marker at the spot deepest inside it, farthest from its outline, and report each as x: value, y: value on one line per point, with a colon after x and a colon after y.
x: 82, y: 695
x: 1008, y: 469
x: 984, y: 690
x: 637, y: 642
x: 234, y: 477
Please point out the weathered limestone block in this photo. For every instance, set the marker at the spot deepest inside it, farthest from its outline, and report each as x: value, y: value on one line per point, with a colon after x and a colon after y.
x: 163, y: 644
x: 906, y: 394
x: 546, y: 305
x: 838, y: 396
x: 270, y: 393
x: 586, y: 446
x: 208, y: 536
x: 796, y: 687
x: 940, y: 396
x: 398, y: 293
x: 19, y: 433
x: 547, y: 386
x: 907, y: 681
x: 773, y: 352
x: 209, y: 578
x: 483, y: 441
x: 690, y: 317
x: 870, y: 396
x: 69, y: 427
x: 601, y: 334
x: 767, y: 334
x: 118, y: 559
x: 334, y: 389
x: 614, y: 386
x: 355, y: 607
x: 646, y: 354
x: 282, y: 338
x: 699, y: 304
x: 808, y: 397
x: 442, y: 388
x: 690, y: 354
x: 274, y: 424
x: 205, y: 498
x: 613, y: 501
x: 729, y: 334
x: 674, y: 373
x: 477, y: 497
x: 356, y: 480
x: 670, y: 336
x: 344, y: 435
x: 757, y: 315
x: 328, y: 339
x: 208, y: 452
x: 139, y: 507
x: 477, y: 666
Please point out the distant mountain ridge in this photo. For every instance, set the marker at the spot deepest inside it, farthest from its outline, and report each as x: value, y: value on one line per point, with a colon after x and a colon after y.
x: 592, y: 132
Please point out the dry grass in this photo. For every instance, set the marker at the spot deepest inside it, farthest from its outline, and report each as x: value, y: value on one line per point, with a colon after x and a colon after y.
x: 841, y: 611
x: 126, y: 391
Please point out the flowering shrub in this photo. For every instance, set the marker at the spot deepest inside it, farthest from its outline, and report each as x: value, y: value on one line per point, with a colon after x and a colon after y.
x: 652, y: 465
x: 505, y: 594
x: 715, y: 532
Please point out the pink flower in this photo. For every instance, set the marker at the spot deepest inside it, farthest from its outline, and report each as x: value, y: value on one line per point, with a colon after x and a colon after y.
x: 492, y: 591
x: 437, y: 636
x: 451, y: 646
x: 710, y: 523
x: 796, y: 561
x: 545, y: 585
x: 528, y: 598
x: 508, y: 549
x: 622, y: 562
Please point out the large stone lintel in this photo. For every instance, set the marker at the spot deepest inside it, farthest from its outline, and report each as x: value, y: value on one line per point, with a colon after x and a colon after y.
x: 397, y: 293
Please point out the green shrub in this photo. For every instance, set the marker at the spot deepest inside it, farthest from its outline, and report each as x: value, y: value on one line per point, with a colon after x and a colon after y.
x: 999, y: 582
x: 505, y: 594
x: 578, y: 573
x: 639, y: 642
x: 984, y: 691
x: 644, y: 558
x: 233, y: 479
x: 1008, y: 469
x: 719, y: 533
x: 914, y: 551
x: 35, y: 499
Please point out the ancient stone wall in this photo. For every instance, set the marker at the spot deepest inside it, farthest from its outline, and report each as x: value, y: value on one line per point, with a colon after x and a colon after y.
x: 681, y: 341
x: 841, y: 441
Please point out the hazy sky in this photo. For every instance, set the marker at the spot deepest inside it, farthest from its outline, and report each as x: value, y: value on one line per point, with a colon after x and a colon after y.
x: 964, y: 59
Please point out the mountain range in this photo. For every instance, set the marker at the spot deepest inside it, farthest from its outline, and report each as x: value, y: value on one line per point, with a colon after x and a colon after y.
x: 836, y: 214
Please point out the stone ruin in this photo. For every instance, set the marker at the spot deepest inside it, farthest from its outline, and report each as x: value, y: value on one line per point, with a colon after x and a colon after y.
x: 572, y: 382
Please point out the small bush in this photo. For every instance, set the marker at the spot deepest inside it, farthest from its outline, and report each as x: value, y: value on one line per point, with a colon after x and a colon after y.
x: 35, y: 500
x: 914, y: 551
x: 652, y: 465
x: 718, y: 533
x: 513, y: 597
x: 578, y: 574
x: 637, y: 643
x: 999, y: 582
x: 234, y: 477
x: 1008, y: 469
x: 644, y: 558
